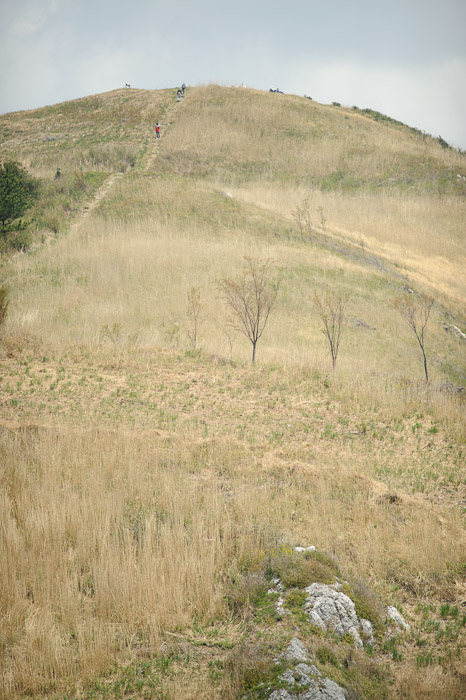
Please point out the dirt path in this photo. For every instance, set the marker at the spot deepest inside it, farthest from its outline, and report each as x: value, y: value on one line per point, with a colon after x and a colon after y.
x: 174, y: 107
x: 108, y: 184
x: 101, y: 193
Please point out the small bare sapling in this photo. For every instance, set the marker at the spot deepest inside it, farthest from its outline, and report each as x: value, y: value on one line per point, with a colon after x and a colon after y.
x: 250, y: 299
x: 323, y: 218
x: 195, y: 316
x: 302, y: 217
x: 416, y: 312
x: 3, y: 304
x: 331, y: 307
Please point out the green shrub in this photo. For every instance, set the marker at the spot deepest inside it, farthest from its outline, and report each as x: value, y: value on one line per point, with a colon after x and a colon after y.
x: 18, y: 238
x: 295, y: 599
x: 18, y: 190
x: 366, y: 603
x: 298, y: 570
x: 326, y: 656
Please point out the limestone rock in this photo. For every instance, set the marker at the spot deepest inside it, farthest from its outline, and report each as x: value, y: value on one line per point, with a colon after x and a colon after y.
x: 329, y: 609
x: 282, y: 694
x: 305, y: 681
x: 296, y: 651
x: 394, y: 616
x: 277, y: 587
x: 323, y: 690
x: 367, y: 632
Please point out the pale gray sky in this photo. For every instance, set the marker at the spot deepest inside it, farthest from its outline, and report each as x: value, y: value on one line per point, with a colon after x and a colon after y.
x: 405, y: 58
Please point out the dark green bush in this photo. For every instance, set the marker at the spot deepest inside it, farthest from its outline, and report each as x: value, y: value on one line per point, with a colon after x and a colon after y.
x: 18, y: 190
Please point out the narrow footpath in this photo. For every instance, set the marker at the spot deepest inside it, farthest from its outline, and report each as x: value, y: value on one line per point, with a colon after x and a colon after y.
x: 110, y: 181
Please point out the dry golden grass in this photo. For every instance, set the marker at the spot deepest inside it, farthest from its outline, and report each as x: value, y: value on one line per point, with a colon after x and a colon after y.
x: 138, y: 475
x: 406, y: 230
x: 136, y: 272
x: 100, y: 132
x: 238, y: 137
x: 109, y: 544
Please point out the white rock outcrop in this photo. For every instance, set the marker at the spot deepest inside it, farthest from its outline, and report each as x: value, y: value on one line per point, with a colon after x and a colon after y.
x: 296, y: 651
x: 305, y: 676
x: 277, y: 587
x: 394, y: 616
x: 334, y: 611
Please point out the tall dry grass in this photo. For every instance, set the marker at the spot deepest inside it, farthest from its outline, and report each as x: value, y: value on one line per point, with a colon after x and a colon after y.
x: 111, y: 539
x: 106, y: 132
x: 135, y: 271
x: 420, y: 234
x: 109, y: 543
x: 289, y: 138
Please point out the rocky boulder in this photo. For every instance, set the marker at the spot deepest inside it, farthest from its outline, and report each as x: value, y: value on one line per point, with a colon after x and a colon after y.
x: 330, y: 609
x: 303, y: 680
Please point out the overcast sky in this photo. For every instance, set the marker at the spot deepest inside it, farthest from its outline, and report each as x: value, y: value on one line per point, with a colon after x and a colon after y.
x: 405, y: 58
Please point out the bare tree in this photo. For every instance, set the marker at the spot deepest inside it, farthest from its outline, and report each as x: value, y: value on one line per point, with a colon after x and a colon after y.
x: 331, y: 307
x: 302, y: 217
x: 323, y: 218
x: 229, y: 335
x: 3, y: 303
x: 416, y: 311
x: 250, y: 298
x: 195, y: 316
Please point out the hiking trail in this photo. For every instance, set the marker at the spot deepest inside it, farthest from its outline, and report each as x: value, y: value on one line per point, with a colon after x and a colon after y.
x: 110, y: 181
x: 152, y: 156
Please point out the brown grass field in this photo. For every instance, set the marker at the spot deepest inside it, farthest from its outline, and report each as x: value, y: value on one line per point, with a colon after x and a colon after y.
x: 145, y: 485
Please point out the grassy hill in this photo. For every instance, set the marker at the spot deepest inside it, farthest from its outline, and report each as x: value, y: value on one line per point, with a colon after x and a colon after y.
x: 151, y: 489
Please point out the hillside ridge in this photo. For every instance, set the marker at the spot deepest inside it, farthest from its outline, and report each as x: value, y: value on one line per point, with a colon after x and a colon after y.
x: 170, y: 510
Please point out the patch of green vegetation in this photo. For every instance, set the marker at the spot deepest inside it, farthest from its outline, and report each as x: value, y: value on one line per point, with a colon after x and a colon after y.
x: 249, y: 590
x: 366, y: 604
x: 295, y: 600
x: 326, y: 656
x: 143, y: 679
x: 391, y: 647
x: 298, y: 570
x: 338, y: 180
x: 254, y: 672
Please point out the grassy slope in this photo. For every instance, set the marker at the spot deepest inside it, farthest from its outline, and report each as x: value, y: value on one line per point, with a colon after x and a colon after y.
x: 187, y: 467
x: 88, y: 139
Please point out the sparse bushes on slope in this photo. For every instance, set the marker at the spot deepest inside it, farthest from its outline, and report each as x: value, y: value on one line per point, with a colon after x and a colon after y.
x: 18, y: 190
